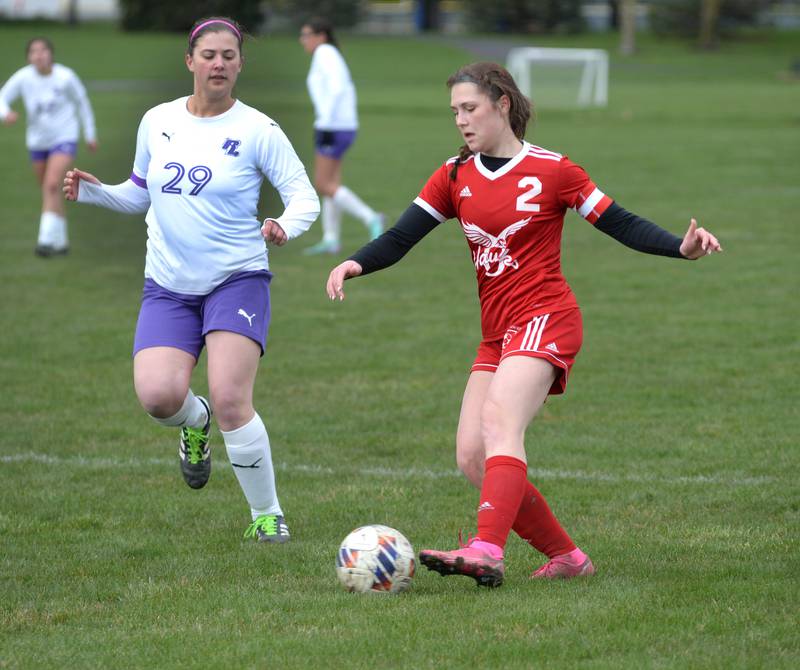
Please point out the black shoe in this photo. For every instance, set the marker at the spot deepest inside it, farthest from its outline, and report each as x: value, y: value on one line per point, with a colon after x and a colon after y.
x: 48, y: 250
x: 269, y: 528
x: 195, y: 453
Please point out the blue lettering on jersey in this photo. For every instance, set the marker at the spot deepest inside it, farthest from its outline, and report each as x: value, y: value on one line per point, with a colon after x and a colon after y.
x: 230, y: 147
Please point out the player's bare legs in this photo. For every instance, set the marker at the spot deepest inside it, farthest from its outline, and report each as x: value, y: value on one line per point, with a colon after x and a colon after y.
x: 47, y: 227
x: 327, y: 175
x: 495, y: 413
x: 470, y: 452
x: 53, y: 237
x: 327, y: 179
x: 335, y: 200
x: 232, y: 365
x: 52, y: 180
x: 161, y: 376
x: 39, y: 168
x: 516, y: 394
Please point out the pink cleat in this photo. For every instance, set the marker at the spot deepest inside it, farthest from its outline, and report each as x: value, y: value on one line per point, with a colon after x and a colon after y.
x: 480, y: 560
x: 566, y: 566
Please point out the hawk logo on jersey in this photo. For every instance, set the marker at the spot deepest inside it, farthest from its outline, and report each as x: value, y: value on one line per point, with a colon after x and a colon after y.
x: 493, y: 254
x: 230, y: 146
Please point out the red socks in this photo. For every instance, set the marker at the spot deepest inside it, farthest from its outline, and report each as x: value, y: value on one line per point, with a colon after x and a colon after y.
x: 537, y: 525
x: 507, y: 497
x: 501, y: 497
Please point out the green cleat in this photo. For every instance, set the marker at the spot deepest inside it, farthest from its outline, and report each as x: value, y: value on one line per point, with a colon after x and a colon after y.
x: 376, y: 226
x: 322, y: 248
x: 269, y: 528
x: 195, y: 453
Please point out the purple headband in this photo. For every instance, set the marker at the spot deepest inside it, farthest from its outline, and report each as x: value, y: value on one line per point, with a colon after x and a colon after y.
x: 209, y: 22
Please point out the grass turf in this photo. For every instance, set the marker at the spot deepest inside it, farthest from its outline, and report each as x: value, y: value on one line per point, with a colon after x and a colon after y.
x: 672, y: 459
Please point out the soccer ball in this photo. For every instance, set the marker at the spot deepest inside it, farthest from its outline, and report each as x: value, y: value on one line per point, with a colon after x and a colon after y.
x: 375, y: 558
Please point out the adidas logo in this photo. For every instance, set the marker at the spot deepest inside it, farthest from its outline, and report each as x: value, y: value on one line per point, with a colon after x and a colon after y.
x: 485, y: 506
x: 552, y: 347
x: 465, y: 192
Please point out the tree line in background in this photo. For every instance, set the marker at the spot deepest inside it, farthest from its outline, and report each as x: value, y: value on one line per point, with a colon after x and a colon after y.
x: 705, y: 19
x: 180, y: 15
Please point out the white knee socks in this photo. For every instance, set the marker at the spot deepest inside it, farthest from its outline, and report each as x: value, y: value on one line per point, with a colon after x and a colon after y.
x: 331, y: 221
x: 192, y: 413
x: 250, y: 455
x: 53, y: 230
x: 352, y: 204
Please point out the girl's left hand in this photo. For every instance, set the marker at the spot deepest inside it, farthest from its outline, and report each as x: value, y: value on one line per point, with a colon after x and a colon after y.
x: 72, y: 182
x: 273, y: 233
x: 698, y: 242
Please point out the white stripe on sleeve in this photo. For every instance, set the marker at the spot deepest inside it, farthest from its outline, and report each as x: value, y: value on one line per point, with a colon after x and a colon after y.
x: 588, y: 205
x: 441, y: 218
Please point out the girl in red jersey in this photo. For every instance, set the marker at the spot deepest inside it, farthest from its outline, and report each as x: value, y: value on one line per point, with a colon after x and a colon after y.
x: 510, y: 198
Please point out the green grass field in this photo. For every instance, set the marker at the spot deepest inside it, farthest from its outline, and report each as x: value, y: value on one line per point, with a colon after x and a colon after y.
x: 673, y: 458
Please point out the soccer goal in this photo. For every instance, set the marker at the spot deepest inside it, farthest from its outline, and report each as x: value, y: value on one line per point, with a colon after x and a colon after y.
x: 561, y: 77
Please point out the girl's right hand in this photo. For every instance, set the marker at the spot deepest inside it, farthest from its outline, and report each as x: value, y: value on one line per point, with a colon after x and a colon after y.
x: 72, y: 181
x: 10, y: 118
x: 337, y: 278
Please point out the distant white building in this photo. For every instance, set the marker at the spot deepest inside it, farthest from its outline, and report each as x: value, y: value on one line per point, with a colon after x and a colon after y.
x: 59, y: 9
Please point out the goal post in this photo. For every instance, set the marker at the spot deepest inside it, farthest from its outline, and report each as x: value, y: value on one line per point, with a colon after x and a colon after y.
x: 593, y: 84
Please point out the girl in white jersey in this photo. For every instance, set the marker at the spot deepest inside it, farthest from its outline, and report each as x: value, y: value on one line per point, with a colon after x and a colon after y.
x: 200, y: 161
x: 55, y: 101
x: 335, y: 127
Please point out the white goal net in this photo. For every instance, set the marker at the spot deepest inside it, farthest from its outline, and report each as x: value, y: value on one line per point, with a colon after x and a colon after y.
x: 561, y: 77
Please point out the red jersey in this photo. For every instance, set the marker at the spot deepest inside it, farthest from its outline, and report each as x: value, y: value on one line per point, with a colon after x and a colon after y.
x: 512, y: 219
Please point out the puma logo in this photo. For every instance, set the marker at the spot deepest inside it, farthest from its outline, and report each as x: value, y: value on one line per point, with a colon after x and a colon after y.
x: 247, y: 316
x: 168, y: 136
x: 254, y: 465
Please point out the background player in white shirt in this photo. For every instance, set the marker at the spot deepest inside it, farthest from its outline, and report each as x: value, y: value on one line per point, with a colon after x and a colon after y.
x: 200, y: 162
x: 335, y: 127
x: 55, y: 100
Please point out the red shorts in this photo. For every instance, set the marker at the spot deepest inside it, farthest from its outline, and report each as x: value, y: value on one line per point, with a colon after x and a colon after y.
x: 556, y: 337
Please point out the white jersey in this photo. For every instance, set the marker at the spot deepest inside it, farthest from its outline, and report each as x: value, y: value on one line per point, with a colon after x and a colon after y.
x: 331, y: 90
x: 203, y: 178
x: 53, y: 104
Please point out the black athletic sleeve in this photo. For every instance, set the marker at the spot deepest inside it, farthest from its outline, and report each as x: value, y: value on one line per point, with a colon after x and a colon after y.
x: 414, y: 224
x: 638, y: 233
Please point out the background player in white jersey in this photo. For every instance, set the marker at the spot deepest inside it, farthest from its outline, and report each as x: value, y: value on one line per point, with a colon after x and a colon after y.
x: 335, y: 127
x: 55, y: 101
x: 200, y: 162
x: 510, y: 199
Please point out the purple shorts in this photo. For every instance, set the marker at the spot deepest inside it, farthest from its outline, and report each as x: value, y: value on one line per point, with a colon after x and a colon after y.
x: 333, y: 143
x: 240, y: 305
x: 69, y: 148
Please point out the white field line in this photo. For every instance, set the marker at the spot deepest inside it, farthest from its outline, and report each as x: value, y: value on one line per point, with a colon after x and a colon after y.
x: 101, y: 462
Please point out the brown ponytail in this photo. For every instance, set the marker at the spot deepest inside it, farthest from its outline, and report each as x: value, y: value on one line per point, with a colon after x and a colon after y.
x: 495, y: 81
x: 321, y: 26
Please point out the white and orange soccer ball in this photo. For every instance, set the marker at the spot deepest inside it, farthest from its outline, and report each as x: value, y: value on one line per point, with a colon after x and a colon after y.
x: 375, y: 558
